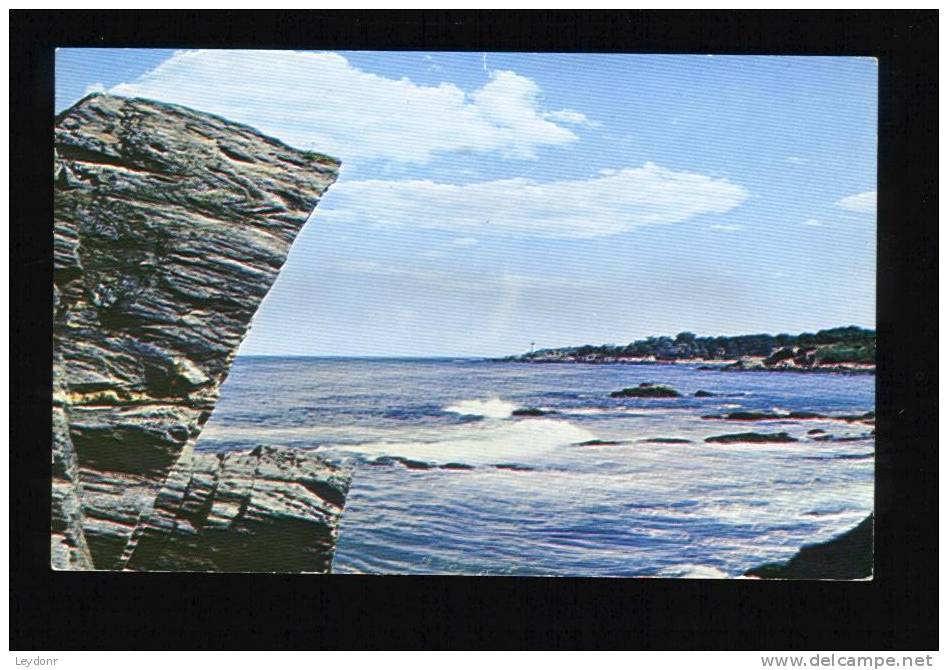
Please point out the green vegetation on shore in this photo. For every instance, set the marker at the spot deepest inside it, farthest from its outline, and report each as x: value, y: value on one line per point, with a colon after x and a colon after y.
x: 846, y: 346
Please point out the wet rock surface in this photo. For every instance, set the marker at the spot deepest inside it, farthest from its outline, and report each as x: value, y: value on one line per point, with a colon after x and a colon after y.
x: 170, y: 227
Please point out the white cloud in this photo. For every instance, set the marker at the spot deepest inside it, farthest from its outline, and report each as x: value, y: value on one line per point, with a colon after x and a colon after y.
x: 605, y: 205
x: 812, y: 222
x: 605, y: 172
x: 464, y: 242
x: 571, y: 116
x: 727, y: 228
x: 320, y: 101
x: 861, y: 202
x: 796, y: 160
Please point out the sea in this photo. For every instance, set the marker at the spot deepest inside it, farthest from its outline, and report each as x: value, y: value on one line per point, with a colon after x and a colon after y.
x: 447, y: 479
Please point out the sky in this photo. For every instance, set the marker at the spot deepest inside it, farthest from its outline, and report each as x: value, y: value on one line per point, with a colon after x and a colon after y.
x: 487, y: 201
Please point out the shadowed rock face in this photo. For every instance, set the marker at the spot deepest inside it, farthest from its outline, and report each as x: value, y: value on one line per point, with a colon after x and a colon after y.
x: 268, y: 510
x: 847, y: 556
x: 171, y: 226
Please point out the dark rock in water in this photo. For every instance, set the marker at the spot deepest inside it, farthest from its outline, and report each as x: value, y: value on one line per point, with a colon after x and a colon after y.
x: 805, y: 416
x: 413, y: 464
x: 843, y: 438
x: 746, y: 416
x: 815, y: 431
x: 667, y: 440
x: 704, y: 394
x: 788, y: 416
x: 868, y: 417
x: 646, y: 390
x: 531, y: 411
x: 841, y: 457
x: 752, y: 437
x: 513, y: 466
x: 598, y: 443
x: 170, y: 227
x: 751, y: 416
x: 847, y: 556
x: 265, y: 510
x: 457, y: 466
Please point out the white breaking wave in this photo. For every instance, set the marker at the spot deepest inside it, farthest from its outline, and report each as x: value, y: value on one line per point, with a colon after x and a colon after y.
x: 509, y: 441
x: 495, y: 408
x: 690, y: 571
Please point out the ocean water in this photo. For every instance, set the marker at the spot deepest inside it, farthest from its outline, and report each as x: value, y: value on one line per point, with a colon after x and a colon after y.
x: 558, y: 506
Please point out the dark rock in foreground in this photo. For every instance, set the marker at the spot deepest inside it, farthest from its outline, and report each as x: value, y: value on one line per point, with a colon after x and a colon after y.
x: 667, y: 440
x: 597, y: 443
x: 646, y: 390
x: 752, y: 437
x: 847, y: 556
x: 170, y: 227
x: 265, y: 510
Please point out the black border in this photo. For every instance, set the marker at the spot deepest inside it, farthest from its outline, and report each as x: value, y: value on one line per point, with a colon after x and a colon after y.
x: 897, y: 610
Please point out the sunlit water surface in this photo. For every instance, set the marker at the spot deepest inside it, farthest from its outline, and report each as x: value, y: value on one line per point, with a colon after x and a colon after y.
x: 636, y: 508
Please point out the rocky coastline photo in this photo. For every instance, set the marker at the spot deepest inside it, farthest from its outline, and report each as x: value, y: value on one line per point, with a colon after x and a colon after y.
x: 320, y: 312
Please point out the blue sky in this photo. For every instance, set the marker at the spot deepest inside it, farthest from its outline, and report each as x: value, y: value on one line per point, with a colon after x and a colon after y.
x: 491, y: 200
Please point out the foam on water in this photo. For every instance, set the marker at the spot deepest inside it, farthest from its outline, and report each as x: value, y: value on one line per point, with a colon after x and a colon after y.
x: 688, y: 571
x: 695, y: 509
x: 494, y: 441
x: 495, y: 408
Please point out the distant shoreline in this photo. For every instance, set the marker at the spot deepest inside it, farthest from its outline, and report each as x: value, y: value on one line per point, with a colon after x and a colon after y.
x: 842, y: 350
x: 754, y: 364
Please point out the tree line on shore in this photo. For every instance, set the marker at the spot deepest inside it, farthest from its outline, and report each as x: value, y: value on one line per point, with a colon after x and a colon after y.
x: 846, y: 344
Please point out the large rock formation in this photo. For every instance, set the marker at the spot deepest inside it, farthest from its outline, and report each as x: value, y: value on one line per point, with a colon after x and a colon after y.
x: 171, y: 225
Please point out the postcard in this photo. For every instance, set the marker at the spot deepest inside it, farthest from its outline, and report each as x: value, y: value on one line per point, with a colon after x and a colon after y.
x: 528, y: 314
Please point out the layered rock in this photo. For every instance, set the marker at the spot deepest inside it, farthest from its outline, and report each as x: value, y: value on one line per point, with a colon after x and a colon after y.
x: 267, y: 510
x: 171, y: 226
